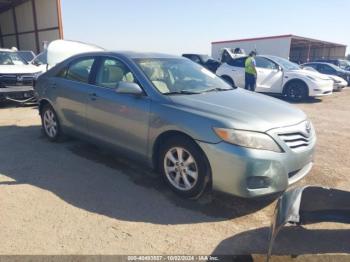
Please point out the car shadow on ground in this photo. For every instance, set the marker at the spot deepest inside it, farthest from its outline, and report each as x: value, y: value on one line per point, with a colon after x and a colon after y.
x: 291, y: 240
x: 9, y: 104
x: 310, y: 100
x: 98, y: 181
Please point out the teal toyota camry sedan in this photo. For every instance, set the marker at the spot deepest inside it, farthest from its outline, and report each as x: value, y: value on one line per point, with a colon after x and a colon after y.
x: 177, y: 117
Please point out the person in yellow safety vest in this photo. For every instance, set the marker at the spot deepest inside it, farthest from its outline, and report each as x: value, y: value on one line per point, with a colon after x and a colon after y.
x: 250, y: 72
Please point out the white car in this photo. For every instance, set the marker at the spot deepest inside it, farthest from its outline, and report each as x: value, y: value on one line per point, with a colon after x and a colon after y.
x: 277, y: 76
x: 16, y: 77
x: 338, y: 82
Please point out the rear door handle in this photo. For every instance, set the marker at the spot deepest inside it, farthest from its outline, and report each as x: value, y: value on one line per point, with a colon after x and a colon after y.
x: 54, y: 85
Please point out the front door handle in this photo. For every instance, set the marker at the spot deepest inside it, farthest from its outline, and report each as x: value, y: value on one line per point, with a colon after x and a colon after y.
x: 93, y: 96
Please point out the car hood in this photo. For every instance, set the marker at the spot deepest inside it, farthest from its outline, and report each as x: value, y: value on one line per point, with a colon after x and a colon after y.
x: 304, y: 72
x: 242, y: 109
x: 336, y: 78
x: 19, y: 69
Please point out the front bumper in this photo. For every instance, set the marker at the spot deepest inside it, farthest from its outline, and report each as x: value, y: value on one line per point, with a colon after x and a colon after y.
x: 321, y: 88
x: 340, y: 85
x: 234, y: 168
x: 17, y: 93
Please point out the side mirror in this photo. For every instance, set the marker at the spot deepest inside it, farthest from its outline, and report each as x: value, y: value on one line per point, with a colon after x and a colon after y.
x: 279, y: 68
x: 129, y: 88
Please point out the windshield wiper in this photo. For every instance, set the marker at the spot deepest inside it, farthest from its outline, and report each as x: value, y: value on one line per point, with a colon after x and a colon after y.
x: 183, y: 92
x: 218, y: 89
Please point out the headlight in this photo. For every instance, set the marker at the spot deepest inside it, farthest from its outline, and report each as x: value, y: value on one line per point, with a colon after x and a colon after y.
x: 249, y: 139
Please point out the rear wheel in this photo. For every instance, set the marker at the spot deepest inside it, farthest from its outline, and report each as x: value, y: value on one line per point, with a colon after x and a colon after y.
x: 296, y: 91
x: 50, y: 123
x: 184, y: 167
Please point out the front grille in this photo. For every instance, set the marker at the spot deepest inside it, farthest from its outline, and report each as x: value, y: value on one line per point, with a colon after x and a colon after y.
x: 16, y: 80
x: 297, y: 137
x: 292, y: 174
x: 295, y: 140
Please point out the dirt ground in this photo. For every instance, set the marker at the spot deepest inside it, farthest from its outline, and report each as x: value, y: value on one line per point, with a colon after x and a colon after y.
x: 72, y: 198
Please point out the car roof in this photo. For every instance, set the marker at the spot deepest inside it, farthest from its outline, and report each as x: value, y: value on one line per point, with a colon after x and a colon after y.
x: 140, y: 55
x: 322, y: 63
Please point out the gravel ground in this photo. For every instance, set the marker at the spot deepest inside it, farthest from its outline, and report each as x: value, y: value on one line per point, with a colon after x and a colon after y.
x: 73, y: 198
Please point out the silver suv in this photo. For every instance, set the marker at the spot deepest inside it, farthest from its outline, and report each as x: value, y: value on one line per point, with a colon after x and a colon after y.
x: 179, y: 118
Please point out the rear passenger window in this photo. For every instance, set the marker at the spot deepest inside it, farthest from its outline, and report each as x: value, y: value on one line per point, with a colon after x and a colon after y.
x: 80, y: 70
x: 239, y: 62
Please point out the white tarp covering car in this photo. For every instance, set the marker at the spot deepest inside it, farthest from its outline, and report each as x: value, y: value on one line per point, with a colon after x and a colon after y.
x: 59, y: 50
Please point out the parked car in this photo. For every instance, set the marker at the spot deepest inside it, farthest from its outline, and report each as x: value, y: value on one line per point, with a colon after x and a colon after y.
x: 26, y: 55
x: 204, y: 60
x: 342, y: 63
x: 339, y: 83
x: 329, y: 69
x: 179, y: 118
x: 277, y: 75
x: 16, y: 77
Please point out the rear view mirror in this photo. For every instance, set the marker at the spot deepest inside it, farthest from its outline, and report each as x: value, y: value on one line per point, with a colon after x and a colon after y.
x: 129, y: 88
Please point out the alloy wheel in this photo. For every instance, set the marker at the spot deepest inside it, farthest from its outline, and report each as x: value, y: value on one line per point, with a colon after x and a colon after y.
x: 50, y: 123
x: 181, y: 168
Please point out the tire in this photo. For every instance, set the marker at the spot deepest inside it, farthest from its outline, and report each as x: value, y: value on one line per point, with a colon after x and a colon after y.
x: 187, y: 176
x: 229, y: 80
x: 50, y: 124
x: 296, y: 91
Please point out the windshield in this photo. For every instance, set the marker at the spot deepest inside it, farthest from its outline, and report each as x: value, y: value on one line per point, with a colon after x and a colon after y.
x: 205, y: 58
x: 286, y: 64
x: 309, y: 68
x: 26, y: 55
x: 344, y: 64
x: 10, y: 58
x: 40, y: 59
x: 174, y: 75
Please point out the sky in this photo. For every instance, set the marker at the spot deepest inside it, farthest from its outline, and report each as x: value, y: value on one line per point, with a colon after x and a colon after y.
x: 181, y: 26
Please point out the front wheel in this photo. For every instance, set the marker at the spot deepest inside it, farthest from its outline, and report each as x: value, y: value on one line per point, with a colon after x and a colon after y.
x: 50, y: 123
x: 296, y: 91
x: 229, y: 81
x: 184, y: 167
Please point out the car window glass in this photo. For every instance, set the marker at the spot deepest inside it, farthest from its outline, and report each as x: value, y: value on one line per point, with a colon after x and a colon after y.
x: 225, y: 57
x: 111, y: 72
x: 239, y: 62
x: 265, y: 63
x: 196, y: 59
x: 325, y: 69
x: 80, y: 70
x: 176, y: 75
x: 311, y: 65
x: 62, y: 73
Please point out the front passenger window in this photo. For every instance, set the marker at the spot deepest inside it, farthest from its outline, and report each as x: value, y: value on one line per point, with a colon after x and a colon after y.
x: 80, y: 71
x: 265, y: 63
x: 111, y: 72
